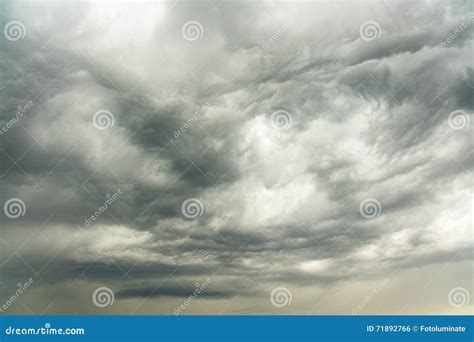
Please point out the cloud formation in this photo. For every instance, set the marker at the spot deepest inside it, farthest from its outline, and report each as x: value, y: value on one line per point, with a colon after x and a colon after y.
x: 290, y: 115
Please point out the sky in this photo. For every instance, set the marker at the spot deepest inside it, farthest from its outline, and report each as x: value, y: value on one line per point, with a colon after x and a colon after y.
x: 236, y: 158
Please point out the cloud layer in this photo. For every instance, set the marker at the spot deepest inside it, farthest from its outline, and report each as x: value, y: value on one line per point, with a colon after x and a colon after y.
x: 324, y: 147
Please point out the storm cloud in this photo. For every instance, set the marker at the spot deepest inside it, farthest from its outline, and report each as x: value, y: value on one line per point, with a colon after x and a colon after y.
x: 317, y: 147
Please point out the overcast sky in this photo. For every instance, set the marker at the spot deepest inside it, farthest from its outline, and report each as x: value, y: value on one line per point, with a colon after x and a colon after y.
x: 290, y: 157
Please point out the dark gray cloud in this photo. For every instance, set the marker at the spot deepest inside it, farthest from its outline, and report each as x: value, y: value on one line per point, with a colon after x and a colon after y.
x: 174, y: 291
x: 362, y: 118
